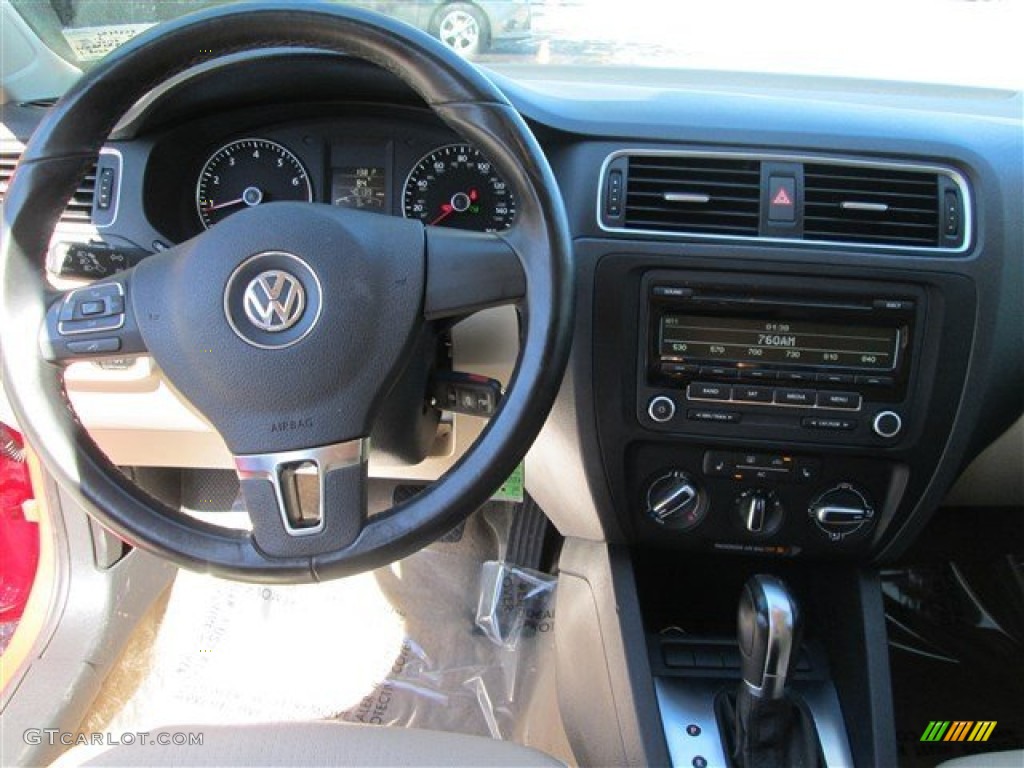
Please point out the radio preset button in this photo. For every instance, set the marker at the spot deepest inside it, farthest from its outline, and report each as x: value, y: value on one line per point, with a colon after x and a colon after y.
x: 846, y: 400
x: 718, y: 372
x: 795, y: 397
x: 661, y: 409
x: 752, y: 394
x: 875, y: 381
x: 678, y: 369
x: 835, y: 378
x: 720, y: 417
x: 759, y: 374
x: 797, y: 376
x: 705, y: 391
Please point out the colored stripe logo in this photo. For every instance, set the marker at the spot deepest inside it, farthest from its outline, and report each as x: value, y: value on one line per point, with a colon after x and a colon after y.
x: 958, y: 730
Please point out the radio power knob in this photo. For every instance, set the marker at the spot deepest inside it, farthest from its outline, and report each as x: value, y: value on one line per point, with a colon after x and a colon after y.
x: 675, y: 501
x: 841, y: 510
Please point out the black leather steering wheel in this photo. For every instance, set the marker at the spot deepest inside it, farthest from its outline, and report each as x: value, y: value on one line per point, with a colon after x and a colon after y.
x: 285, y: 324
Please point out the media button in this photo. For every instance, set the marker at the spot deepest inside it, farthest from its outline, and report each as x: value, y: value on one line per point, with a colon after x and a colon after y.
x: 706, y: 391
x: 845, y: 400
x: 750, y: 394
x: 795, y: 397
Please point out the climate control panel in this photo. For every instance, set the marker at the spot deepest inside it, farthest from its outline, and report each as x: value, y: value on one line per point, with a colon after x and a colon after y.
x: 758, y: 502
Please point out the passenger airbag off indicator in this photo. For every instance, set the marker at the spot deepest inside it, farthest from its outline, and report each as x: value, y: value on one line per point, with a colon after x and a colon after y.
x: 782, y: 199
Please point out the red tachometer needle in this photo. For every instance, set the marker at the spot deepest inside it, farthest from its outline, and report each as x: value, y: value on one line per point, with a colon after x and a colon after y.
x: 236, y: 201
x: 446, y: 211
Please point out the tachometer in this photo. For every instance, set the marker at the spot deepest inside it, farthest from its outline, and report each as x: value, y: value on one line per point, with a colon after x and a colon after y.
x: 248, y: 172
x: 456, y: 186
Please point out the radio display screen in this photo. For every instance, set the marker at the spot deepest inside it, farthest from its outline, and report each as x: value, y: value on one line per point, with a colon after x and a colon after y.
x: 755, y: 341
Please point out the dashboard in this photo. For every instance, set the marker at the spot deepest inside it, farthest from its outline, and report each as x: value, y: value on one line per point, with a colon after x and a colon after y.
x: 799, y: 300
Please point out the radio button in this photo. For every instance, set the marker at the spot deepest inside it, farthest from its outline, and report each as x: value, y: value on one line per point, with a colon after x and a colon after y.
x: 825, y: 422
x: 661, y: 409
x: 846, y: 400
x: 720, y: 417
x: 752, y: 394
x: 876, y: 381
x: 835, y: 378
x: 796, y: 376
x: 718, y: 372
x: 705, y: 391
x: 759, y: 374
x: 795, y: 397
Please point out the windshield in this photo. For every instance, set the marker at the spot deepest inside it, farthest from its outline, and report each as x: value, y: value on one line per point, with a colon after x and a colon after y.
x: 955, y: 42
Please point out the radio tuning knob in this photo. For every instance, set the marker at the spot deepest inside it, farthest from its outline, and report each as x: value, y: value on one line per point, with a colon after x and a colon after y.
x: 675, y: 501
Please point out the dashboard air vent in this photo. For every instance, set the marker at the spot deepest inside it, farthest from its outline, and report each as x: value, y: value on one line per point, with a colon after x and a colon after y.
x: 693, y: 194
x: 884, y: 206
x: 8, y: 159
x: 79, y: 208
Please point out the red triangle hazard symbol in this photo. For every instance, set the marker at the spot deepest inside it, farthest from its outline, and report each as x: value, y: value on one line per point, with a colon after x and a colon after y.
x: 781, y: 198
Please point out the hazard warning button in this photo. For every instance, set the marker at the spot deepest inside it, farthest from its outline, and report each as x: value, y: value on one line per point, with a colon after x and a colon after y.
x: 781, y: 199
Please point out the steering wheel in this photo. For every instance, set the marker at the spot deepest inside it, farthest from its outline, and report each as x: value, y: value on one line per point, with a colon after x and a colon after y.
x: 285, y: 324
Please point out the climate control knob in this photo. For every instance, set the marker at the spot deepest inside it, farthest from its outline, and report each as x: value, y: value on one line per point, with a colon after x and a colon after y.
x: 841, y: 510
x: 760, y: 511
x: 676, y: 501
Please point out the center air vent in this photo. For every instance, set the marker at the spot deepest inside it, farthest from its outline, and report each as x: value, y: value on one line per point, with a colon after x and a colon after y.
x: 862, y: 204
x: 698, y: 194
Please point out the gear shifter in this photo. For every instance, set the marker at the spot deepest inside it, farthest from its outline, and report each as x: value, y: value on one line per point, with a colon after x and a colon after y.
x: 764, y: 724
x: 769, y: 636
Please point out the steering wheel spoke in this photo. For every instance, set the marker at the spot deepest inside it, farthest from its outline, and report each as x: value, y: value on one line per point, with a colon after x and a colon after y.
x: 306, y: 502
x: 93, y: 322
x: 470, y: 271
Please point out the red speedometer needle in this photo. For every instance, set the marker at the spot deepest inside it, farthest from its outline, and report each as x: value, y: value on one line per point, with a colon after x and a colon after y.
x: 446, y: 211
x: 236, y: 201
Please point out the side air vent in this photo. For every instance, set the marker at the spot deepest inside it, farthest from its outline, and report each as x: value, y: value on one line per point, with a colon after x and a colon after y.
x: 861, y: 204
x: 692, y: 194
x: 8, y: 159
x: 79, y: 209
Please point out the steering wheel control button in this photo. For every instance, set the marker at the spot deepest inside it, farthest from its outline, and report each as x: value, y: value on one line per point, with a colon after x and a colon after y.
x: 661, y: 409
x: 887, y: 424
x: 94, y: 346
x: 97, y: 308
x: 273, y: 300
x: 466, y: 393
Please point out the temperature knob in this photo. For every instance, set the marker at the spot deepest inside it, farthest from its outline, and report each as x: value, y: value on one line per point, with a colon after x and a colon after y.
x: 676, y: 501
x: 841, y: 510
x: 760, y: 511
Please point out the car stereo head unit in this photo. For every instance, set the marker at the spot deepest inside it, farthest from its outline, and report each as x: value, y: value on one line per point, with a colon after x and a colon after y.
x: 778, y: 353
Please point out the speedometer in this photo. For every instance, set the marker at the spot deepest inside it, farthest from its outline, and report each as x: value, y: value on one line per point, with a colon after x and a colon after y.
x: 246, y: 173
x: 456, y: 186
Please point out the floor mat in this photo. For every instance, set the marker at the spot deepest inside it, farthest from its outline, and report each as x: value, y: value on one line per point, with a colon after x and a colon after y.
x: 399, y: 646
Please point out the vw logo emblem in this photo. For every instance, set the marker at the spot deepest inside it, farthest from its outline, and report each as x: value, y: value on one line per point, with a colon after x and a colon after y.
x: 274, y: 300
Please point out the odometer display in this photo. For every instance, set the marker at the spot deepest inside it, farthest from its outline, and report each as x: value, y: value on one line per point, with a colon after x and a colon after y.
x: 456, y: 186
x: 246, y: 173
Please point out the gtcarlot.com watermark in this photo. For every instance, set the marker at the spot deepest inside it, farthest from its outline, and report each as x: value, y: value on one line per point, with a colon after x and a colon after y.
x: 55, y: 736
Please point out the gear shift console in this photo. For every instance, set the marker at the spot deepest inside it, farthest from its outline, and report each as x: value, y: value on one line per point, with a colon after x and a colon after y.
x: 763, y: 724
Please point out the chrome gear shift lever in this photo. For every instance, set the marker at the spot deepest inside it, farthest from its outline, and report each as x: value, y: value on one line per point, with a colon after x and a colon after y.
x: 769, y: 636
